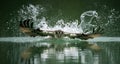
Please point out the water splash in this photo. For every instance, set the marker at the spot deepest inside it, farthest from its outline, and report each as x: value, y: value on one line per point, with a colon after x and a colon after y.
x: 30, y: 11
x: 88, y: 20
x: 72, y: 27
x: 33, y: 12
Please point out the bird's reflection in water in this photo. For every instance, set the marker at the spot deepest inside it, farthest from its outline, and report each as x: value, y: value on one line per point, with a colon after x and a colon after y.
x: 60, y: 53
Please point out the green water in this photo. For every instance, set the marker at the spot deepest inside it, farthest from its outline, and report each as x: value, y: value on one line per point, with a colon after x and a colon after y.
x: 58, y: 53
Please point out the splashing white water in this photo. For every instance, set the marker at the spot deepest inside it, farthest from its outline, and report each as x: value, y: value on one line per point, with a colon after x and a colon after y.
x: 88, y: 20
x: 30, y: 11
x: 72, y: 27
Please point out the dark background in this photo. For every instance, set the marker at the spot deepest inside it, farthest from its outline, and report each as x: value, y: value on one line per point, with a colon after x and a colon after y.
x: 7, y: 7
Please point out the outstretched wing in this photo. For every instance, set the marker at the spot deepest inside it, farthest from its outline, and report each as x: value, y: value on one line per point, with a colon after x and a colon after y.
x: 84, y: 36
x: 26, y: 27
x: 96, y: 33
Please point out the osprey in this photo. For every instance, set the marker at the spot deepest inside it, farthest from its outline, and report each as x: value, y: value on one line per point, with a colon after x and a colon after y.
x: 26, y: 27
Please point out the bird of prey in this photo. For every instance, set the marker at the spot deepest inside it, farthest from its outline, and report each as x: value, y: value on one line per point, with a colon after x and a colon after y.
x: 26, y: 27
